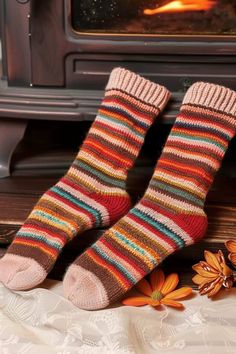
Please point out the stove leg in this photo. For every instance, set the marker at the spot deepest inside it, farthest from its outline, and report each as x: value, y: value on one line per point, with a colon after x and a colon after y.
x: 11, y: 133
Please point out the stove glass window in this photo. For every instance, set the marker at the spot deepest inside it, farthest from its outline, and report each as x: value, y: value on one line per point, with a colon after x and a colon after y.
x: 155, y: 17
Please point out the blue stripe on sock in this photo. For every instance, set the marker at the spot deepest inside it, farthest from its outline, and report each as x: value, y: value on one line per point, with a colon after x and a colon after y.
x: 135, y: 247
x: 52, y: 218
x: 33, y: 237
x: 80, y: 203
x: 159, y: 226
x: 97, y: 174
x: 121, y: 124
x: 125, y: 114
x: 175, y: 190
x: 113, y: 262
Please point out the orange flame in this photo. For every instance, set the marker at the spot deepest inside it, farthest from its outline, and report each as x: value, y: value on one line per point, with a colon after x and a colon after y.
x: 182, y: 6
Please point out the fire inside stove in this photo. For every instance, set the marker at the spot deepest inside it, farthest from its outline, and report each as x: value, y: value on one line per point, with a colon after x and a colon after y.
x: 159, y: 17
x: 181, y: 6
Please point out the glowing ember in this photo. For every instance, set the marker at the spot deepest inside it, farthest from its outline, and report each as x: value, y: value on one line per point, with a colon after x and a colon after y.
x: 182, y: 6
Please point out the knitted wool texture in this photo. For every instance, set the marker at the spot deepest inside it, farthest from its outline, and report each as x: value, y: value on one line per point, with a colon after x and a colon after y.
x: 92, y: 193
x: 170, y: 216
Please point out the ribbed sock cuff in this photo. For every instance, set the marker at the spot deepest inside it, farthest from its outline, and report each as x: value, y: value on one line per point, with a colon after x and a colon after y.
x: 212, y: 96
x: 138, y: 87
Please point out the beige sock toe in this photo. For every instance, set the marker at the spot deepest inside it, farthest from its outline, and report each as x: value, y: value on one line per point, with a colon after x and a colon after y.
x: 20, y: 273
x: 84, y: 289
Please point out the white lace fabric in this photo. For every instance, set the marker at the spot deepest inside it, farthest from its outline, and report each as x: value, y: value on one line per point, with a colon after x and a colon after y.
x: 42, y: 321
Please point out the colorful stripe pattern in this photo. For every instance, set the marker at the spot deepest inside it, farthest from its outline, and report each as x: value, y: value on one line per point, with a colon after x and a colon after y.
x: 170, y: 216
x: 92, y: 193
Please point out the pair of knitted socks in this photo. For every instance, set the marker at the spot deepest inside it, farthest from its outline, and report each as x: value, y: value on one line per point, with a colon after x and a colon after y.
x: 93, y: 192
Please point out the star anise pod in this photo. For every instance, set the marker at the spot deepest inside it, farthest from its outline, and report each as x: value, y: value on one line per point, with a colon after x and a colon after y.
x: 213, y: 274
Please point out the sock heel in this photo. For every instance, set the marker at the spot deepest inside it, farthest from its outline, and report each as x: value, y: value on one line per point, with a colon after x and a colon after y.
x: 194, y: 225
x: 117, y: 206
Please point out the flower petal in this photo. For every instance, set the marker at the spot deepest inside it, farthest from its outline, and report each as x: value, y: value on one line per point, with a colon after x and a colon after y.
x: 172, y: 303
x: 170, y: 283
x: 157, y: 279
x: 144, y: 287
x: 204, y: 273
x: 179, y: 293
x: 137, y: 301
x: 212, y: 260
x: 232, y: 258
x: 199, y: 280
x: 231, y: 246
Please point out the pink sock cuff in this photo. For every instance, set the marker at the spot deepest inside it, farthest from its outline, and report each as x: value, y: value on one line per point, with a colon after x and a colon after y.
x: 139, y: 87
x: 212, y: 96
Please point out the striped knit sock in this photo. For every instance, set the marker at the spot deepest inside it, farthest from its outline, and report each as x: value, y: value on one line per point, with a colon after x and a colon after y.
x: 93, y: 192
x: 170, y: 215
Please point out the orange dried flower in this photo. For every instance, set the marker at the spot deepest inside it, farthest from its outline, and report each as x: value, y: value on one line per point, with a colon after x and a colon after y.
x: 231, y: 247
x: 159, y: 291
x: 213, y: 274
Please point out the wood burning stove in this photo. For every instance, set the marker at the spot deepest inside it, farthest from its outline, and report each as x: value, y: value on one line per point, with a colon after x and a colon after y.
x: 57, y: 54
